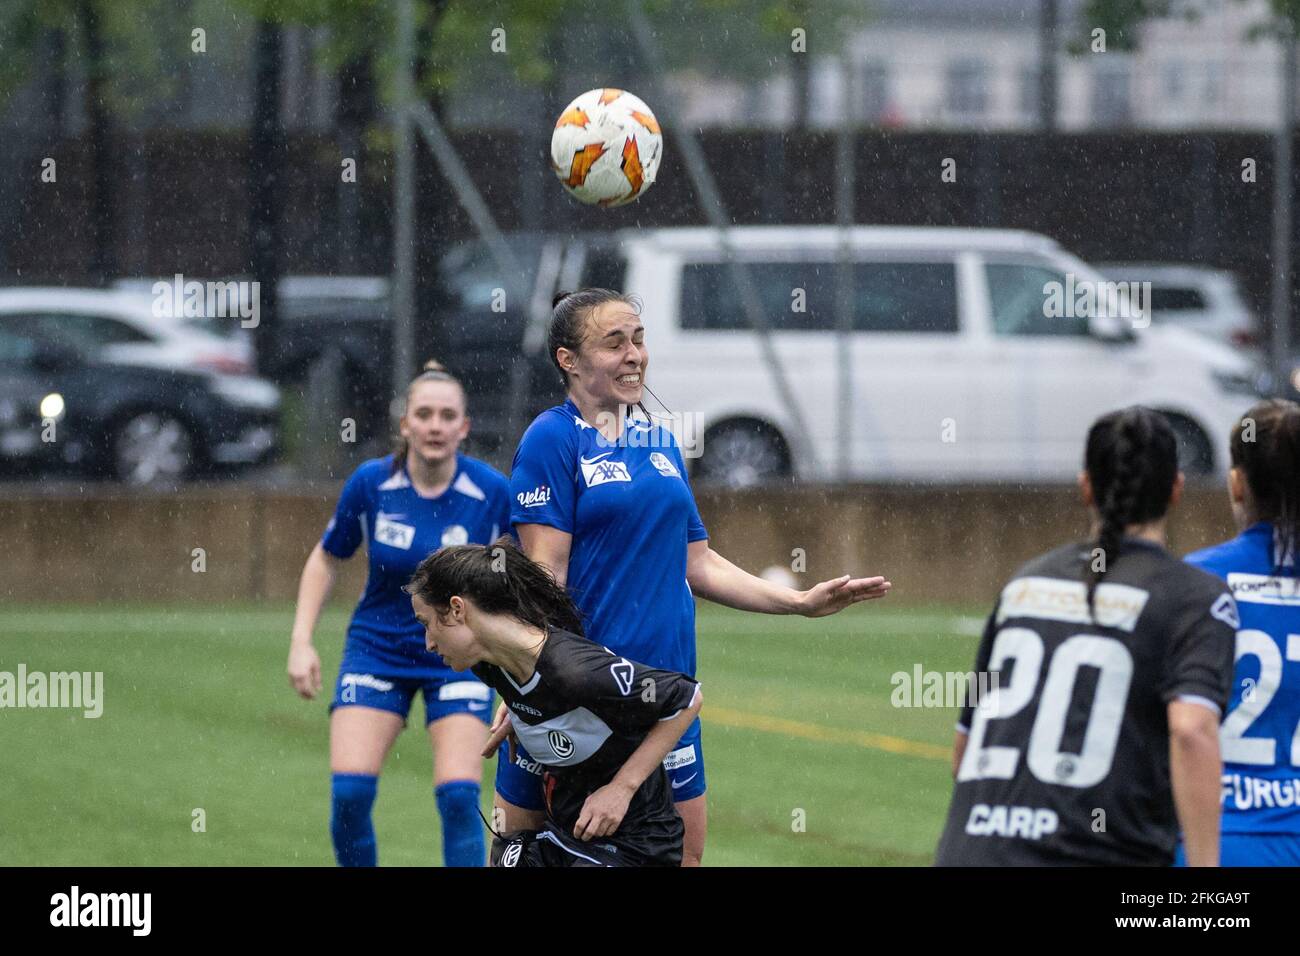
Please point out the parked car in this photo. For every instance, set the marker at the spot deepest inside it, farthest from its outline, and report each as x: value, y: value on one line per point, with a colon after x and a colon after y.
x: 123, y: 327
x: 467, y: 330
x: 1197, y: 298
x: 61, y: 405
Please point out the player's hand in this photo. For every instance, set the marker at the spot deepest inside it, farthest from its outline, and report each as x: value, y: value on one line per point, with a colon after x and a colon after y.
x: 304, y: 670
x: 837, y: 594
x: 603, y: 811
x: 500, y: 730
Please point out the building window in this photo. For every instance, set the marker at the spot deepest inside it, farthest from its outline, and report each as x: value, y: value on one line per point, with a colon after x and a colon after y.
x: 874, y: 92
x: 967, y: 88
x: 1112, y: 101
x: 1028, y: 94
x: 1175, y: 81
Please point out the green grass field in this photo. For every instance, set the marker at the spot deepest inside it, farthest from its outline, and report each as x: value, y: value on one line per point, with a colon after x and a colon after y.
x: 198, y: 715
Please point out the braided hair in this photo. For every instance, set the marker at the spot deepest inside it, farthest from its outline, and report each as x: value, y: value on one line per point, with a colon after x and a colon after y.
x: 1132, y: 462
x: 1265, y: 445
x: 499, y: 579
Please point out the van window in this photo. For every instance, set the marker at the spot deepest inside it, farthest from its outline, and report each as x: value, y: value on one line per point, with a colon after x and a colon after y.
x: 1019, y: 301
x: 800, y: 296
x: 1175, y: 299
x: 604, y: 269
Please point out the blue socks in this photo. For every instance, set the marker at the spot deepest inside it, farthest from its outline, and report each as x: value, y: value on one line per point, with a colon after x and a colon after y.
x: 352, y: 795
x: 462, y: 833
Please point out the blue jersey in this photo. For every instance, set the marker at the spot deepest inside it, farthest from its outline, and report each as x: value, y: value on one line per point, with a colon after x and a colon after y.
x: 1261, y: 732
x: 401, y: 528
x: 631, y: 513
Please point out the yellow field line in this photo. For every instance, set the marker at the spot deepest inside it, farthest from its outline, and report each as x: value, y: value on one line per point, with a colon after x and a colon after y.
x: 795, y: 728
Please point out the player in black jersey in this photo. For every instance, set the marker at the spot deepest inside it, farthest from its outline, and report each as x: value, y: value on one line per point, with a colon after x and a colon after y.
x: 1114, y: 661
x: 599, y: 724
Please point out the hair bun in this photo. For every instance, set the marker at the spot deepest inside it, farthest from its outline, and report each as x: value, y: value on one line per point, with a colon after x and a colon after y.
x: 559, y: 297
x: 433, y: 365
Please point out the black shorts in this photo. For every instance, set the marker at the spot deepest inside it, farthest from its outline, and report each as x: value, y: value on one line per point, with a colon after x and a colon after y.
x: 550, y: 846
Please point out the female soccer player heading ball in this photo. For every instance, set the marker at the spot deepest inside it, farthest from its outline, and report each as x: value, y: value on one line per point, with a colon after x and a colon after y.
x: 1115, y: 662
x: 1261, y: 733
x: 424, y: 496
x: 600, y: 723
x: 601, y: 499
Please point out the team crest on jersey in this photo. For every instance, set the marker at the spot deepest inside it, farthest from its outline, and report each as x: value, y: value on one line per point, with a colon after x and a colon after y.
x: 598, y: 469
x: 393, y: 534
x: 622, y: 671
x: 664, y: 466
x: 512, y: 854
x: 454, y: 534
x: 560, y: 743
x: 1225, y: 610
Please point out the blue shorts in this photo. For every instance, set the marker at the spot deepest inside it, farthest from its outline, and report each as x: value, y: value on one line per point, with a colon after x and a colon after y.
x: 520, y: 781
x: 443, y: 695
x: 1253, y: 849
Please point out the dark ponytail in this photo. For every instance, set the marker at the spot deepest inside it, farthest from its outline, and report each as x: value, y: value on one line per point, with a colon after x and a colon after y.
x: 1266, y: 447
x: 433, y: 371
x: 499, y: 579
x: 1132, y: 462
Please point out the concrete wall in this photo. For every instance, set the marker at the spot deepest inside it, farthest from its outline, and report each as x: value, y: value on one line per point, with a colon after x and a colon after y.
x: 935, y: 544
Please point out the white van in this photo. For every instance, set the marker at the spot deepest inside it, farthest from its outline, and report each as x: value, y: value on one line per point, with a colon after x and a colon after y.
x: 962, y: 369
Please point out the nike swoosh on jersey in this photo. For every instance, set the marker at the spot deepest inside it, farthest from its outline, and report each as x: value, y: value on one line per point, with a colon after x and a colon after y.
x: 681, y: 783
x: 592, y: 461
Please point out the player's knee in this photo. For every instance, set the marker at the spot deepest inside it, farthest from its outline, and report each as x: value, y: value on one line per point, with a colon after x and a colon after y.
x: 462, y: 837
x: 458, y: 799
x: 352, y: 795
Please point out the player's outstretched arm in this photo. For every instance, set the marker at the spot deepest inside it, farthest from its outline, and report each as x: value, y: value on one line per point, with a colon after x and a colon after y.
x: 1195, y: 769
x: 603, y: 811
x: 713, y: 577
x: 318, y: 576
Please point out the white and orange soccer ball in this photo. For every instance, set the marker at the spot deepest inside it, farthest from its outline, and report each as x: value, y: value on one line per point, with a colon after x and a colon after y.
x: 606, y: 147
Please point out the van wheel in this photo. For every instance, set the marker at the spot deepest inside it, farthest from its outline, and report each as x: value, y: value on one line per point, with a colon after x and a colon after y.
x: 1195, y: 454
x: 743, y: 453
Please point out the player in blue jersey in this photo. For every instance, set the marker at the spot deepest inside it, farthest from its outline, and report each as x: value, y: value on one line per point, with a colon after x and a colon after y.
x: 600, y: 497
x: 422, y: 497
x: 1261, y: 732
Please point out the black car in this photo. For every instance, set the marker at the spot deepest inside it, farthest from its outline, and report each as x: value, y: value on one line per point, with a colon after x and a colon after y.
x: 61, y: 409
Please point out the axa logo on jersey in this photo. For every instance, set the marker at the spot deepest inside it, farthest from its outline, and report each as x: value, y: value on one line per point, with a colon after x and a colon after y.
x: 392, y: 533
x: 535, y: 498
x: 599, y: 469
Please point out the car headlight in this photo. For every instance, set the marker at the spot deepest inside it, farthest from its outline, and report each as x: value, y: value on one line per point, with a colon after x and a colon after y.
x: 246, y: 392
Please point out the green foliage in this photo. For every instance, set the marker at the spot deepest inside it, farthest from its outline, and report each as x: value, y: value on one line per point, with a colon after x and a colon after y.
x: 1122, y: 20
x: 146, y: 41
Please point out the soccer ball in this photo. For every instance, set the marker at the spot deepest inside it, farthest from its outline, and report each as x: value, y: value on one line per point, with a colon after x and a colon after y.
x: 606, y: 147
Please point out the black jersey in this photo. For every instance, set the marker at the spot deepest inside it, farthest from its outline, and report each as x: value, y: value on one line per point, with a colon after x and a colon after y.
x: 1067, y: 760
x: 581, y: 715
